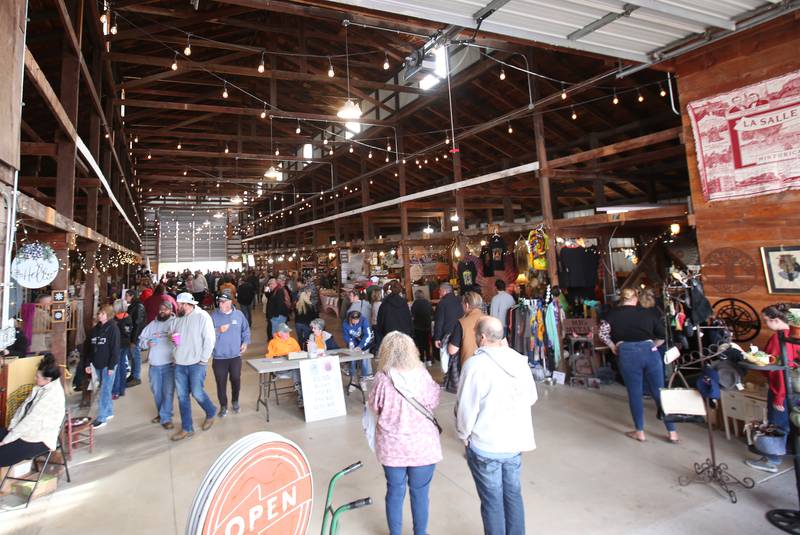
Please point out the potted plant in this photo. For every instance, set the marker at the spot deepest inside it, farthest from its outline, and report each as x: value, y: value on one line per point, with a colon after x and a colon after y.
x: 794, y: 323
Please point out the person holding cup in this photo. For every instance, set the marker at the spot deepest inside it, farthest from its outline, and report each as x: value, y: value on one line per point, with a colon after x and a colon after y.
x: 233, y: 337
x: 193, y: 336
x: 156, y: 337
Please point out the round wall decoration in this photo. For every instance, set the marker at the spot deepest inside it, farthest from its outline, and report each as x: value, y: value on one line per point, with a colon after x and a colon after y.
x: 261, y: 484
x: 730, y: 270
x: 35, y: 266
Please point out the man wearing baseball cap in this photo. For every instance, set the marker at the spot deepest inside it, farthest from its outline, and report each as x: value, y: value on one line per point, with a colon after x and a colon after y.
x: 232, y: 339
x: 156, y: 338
x: 194, y: 337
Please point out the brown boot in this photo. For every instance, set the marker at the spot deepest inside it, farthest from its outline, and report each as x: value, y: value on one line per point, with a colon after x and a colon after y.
x: 168, y: 425
x: 208, y: 423
x: 156, y: 420
x: 180, y: 435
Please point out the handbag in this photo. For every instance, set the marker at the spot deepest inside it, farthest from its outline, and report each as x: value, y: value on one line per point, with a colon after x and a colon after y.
x: 420, y: 407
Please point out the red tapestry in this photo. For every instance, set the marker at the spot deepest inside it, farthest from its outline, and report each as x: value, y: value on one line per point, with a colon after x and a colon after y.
x: 748, y: 140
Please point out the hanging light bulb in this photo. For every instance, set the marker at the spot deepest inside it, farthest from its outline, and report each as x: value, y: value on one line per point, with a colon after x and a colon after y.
x: 388, y: 146
x: 640, y: 98
x: 350, y: 110
x: 615, y: 100
x: 226, y: 149
x: 113, y: 29
x: 136, y: 139
x: 386, y: 61
x: 264, y: 112
x: 261, y: 65
x: 447, y: 140
x: 661, y: 91
x: 370, y: 154
x: 574, y: 115
x: 174, y: 65
x: 149, y: 156
x: 277, y: 151
x: 444, y: 156
x: 188, y: 50
x: 331, y: 151
x: 350, y: 150
x: 297, y: 130
x: 225, y: 90
x: 510, y: 128
x: 387, y: 158
x: 502, y: 74
x: 324, y: 139
x: 184, y: 172
x: 103, y: 18
x: 179, y: 145
x: 331, y: 74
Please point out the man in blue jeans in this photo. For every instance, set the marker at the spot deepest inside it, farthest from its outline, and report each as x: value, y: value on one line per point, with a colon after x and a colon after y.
x: 156, y: 337
x: 493, y: 418
x: 193, y: 336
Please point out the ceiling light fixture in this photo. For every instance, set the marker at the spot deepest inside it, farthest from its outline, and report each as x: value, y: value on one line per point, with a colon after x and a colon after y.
x: 350, y: 110
x: 261, y: 65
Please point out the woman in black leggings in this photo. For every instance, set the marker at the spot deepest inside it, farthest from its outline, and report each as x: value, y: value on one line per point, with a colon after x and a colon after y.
x: 35, y: 426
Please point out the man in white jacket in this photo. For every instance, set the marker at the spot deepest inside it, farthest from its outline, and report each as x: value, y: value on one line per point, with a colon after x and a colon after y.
x: 493, y: 418
x: 194, y: 337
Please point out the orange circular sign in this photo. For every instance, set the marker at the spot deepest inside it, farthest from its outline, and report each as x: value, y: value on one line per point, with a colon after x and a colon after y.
x: 265, y: 487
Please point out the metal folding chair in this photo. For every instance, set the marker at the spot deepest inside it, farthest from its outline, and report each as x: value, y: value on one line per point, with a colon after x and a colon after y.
x: 48, y: 456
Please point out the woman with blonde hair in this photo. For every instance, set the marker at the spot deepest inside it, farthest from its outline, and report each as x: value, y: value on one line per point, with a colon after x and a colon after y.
x: 634, y: 334
x: 407, y: 444
x: 305, y: 313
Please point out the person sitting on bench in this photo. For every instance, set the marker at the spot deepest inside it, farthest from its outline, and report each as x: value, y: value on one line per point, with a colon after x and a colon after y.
x: 35, y: 426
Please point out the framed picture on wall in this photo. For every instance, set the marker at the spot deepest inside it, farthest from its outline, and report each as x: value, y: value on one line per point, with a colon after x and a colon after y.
x: 782, y: 269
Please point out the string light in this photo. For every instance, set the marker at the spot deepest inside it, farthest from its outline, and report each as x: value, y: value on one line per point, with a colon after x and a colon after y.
x: 615, y: 100
x: 661, y: 91
x: 136, y: 139
x: 264, y: 112
x: 149, y: 156
x: 640, y: 98
x: 370, y: 154
x: 297, y: 130
x: 174, y: 65
x: 330, y: 151
x: 350, y: 150
x: 277, y: 151
x: 563, y: 92
x: 261, y: 65
x: 510, y: 128
x: 225, y: 90
x: 113, y: 29
x: 386, y: 61
x: 226, y: 149
x: 574, y: 115
x: 502, y: 74
x: 184, y: 172
x: 179, y: 145
x: 188, y: 50
x: 331, y: 74
x: 387, y: 158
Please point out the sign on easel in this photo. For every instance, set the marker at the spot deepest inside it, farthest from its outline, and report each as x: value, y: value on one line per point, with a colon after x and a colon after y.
x: 323, y: 395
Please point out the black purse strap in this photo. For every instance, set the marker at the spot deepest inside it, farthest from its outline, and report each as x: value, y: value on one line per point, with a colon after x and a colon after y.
x: 421, y: 408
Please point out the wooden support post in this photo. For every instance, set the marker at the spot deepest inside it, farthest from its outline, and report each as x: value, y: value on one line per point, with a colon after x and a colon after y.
x: 547, y: 201
x: 405, y: 253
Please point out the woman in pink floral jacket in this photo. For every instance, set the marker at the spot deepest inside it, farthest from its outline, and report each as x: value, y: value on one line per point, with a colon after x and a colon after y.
x: 406, y: 441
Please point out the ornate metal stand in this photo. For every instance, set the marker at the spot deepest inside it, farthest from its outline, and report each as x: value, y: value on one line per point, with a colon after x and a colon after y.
x: 710, y: 472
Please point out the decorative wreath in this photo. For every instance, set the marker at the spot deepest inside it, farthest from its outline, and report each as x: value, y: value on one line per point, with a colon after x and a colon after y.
x: 35, y: 250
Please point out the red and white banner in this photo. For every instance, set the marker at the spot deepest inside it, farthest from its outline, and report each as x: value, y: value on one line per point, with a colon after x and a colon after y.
x: 748, y: 140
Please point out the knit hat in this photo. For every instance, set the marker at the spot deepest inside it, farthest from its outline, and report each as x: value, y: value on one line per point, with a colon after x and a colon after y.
x: 283, y: 328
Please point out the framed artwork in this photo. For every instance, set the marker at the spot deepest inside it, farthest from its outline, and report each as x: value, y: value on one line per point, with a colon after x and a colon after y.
x: 58, y: 315
x: 59, y: 296
x: 782, y: 269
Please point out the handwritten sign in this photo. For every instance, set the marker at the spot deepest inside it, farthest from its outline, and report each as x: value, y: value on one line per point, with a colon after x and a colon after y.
x: 35, y: 266
x: 323, y: 396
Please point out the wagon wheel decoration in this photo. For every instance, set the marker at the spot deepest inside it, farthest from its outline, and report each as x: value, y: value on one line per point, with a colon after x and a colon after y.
x: 742, y: 319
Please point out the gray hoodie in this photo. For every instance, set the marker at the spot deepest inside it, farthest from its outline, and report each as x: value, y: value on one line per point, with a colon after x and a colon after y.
x: 495, y: 395
x: 197, y: 338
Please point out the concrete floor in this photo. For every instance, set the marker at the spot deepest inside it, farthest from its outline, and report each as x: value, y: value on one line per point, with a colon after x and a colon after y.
x: 585, y: 476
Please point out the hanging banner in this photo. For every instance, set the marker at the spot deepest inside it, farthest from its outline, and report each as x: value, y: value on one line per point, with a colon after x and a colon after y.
x: 261, y: 484
x: 748, y: 140
x: 35, y: 266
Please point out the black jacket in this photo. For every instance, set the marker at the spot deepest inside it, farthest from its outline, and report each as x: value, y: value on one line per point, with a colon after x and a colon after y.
x: 138, y: 319
x: 394, y: 315
x: 245, y: 294
x: 125, y: 326
x: 448, y: 312
x: 306, y: 317
x: 422, y: 312
x: 278, y: 303
x: 102, y: 346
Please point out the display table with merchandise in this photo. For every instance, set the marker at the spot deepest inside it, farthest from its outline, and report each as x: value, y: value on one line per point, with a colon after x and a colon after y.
x: 266, y: 367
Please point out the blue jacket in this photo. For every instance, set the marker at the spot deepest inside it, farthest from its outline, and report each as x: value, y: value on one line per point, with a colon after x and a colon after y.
x: 360, y: 333
x: 228, y: 344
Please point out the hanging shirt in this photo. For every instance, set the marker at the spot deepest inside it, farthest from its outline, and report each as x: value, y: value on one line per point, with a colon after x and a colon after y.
x: 467, y: 273
x: 497, y: 246
x: 486, y: 261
